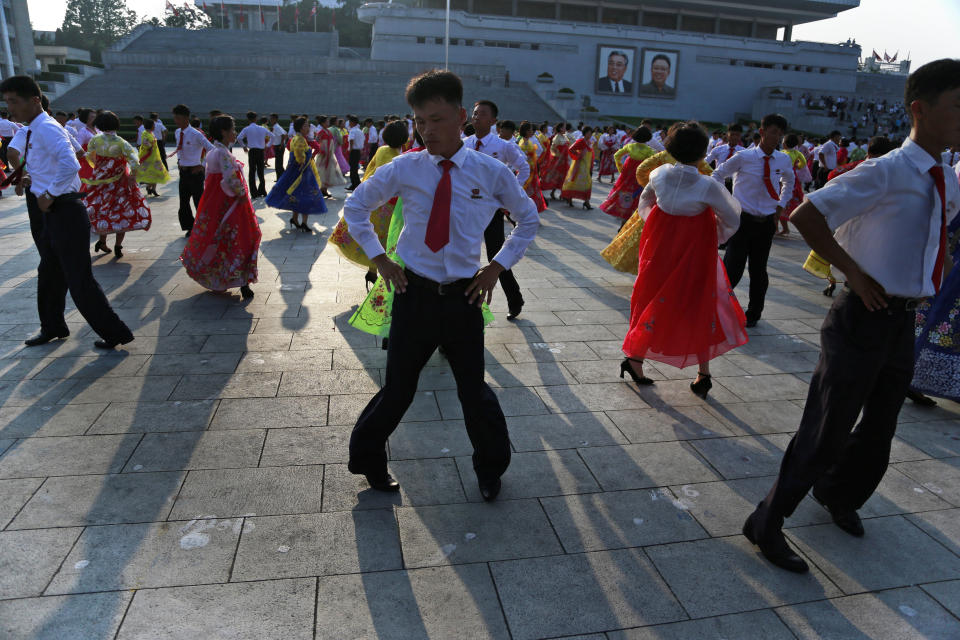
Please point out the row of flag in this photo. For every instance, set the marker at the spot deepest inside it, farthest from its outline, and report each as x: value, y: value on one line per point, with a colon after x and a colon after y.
x: 313, y: 11
x: 885, y: 58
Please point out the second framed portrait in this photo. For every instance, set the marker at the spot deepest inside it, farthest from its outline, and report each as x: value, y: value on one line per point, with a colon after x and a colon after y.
x: 658, y: 73
x: 614, y: 74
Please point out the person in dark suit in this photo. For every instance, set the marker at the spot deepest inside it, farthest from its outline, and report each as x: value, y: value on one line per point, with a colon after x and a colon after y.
x: 659, y: 72
x: 614, y: 82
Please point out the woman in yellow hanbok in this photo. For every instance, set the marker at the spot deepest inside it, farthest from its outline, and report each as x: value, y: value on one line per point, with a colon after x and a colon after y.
x: 395, y: 136
x: 298, y: 189
x: 151, y: 171
x: 579, y: 182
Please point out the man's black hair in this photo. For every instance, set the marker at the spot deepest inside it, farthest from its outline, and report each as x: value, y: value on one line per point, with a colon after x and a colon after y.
x: 663, y: 57
x: 774, y: 120
x: 138, y: 117
x: 927, y: 82
x: 23, y: 86
x: 251, y: 116
x: 154, y: 115
x: 834, y: 134
x: 219, y: 125
x: 494, y: 109
x: 435, y: 84
x: 508, y: 124
x: 687, y: 141
x: 735, y: 127
x: 181, y: 110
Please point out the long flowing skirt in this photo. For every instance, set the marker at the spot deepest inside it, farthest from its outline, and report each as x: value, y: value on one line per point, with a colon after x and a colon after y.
x: 297, y: 189
x: 348, y: 247
x: 555, y: 171
x: 222, y: 250
x: 607, y: 166
x: 624, y: 251
x: 341, y: 161
x: 330, y: 173
x: 937, y: 351
x: 532, y: 188
x: 622, y: 200
x: 114, y: 206
x: 578, y: 183
x: 683, y: 310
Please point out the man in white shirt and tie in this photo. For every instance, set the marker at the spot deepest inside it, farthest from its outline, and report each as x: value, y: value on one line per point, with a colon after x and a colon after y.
x: 254, y: 140
x: 450, y: 193
x: 723, y: 151
x: 7, y: 131
x: 277, y: 140
x: 59, y: 222
x: 827, y: 156
x: 355, y: 139
x: 883, y: 226
x: 950, y: 157
x: 763, y: 183
x: 487, y: 142
x: 190, y: 147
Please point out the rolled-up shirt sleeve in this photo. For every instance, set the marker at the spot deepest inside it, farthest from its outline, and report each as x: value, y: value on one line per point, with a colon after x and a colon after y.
x: 787, y: 178
x: 67, y: 164
x: 850, y: 194
x: 517, y: 161
x: 369, y: 195
x: 523, y: 211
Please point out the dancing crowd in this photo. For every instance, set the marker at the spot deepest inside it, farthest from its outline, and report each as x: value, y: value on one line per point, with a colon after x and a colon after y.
x: 439, y: 184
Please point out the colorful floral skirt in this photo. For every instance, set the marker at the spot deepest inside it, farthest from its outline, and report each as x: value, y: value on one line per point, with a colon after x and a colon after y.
x: 555, y: 171
x: 114, y: 206
x: 606, y: 167
x: 683, y: 310
x: 623, y: 252
x: 348, y: 247
x: 937, y: 349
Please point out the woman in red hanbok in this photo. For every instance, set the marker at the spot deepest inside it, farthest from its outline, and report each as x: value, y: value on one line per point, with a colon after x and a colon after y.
x: 531, y: 148
x: 113, y: 198
x: 607, y: 146
x: 555, y: 170
x: 622, y: 201
x: 222, y: 250
x: 579, y: 183
x: 326, y: 159
x: 683, y: 310
x: 83, y: 136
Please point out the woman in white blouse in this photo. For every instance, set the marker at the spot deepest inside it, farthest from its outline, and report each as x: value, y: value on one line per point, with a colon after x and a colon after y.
x: 683, y: 309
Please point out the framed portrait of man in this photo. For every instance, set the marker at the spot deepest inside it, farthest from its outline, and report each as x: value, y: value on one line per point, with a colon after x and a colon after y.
x: 658, y: 73
x: 614, y: 75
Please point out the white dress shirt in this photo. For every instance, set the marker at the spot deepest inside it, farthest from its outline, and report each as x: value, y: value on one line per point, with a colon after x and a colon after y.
x: 159, y: 130
x: 71, y: 134
x: 829, y: 151
x: 575, y: 135
x: 194, y: 143
x: 140, y: 131
x: 950, y: 158
x: 253, y: 136
x: 503, y: 150
x: 655, y: 143
x: 290, y: 131
x: 51, y: 160
x: 276, y: 135
x: 18, y: 140
x: 886, y: 215
x: 746, y: 169
x: 721, y: 153
x: 8, y: 129
x: 83, y: 135
x: 681, y: 190
x: 372, y: 135
x: 75, y: 124
x: 479, y: 186
x: 355, y: 136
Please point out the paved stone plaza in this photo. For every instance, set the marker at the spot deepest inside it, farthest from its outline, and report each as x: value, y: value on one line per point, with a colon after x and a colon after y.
x: 194, y: 485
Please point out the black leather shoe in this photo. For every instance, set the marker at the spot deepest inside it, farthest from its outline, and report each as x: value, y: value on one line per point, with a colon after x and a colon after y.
x: 383, y: 483
x: 110, y: 344
x: 846, y: 519
x: 515, y: 311
x: 43, y: 338
x: 490, y: 489
x: 775, y: 548
x: 751, y: 322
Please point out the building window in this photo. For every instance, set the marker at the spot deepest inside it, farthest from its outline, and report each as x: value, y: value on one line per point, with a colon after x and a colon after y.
x: 659, y: 20
x: 421, y: 40
x: 536, y: 10
x: 494, y: 7
x: 767, y: 31
x: 619, y: 16
x: 734, y: 28
x: 577, y: 13
x: 699, y: 24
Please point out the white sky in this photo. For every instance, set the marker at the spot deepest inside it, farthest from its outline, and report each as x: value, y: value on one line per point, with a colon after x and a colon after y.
x: 926, y: 29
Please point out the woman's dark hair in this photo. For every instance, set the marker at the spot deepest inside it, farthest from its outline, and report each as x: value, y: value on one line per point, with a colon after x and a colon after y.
x: 525, y: 128
x: 791, y: 141
x: 586, y: 131
x: 641, y: 134
x: 83, y: 114
x: 298, y: 124
x: 219, y: 126
x: 435, y: 84
x: 23, y: 86
x: 880, y: 146
x: 148, y: 124
x: 138, y: 118
x: 395, y: 134
x: 687, y: 141
x: 469, y: 129
x: 107, y: 121
x: 926, y: 83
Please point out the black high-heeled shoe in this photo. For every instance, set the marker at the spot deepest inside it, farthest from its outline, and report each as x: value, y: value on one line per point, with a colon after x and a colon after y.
x: 117, y: 251
x: 101, y: 246
x: 639, y: 379
x: 294, y: 224
x: 304, y: 227
x: 586, y: 205
x: 569, y: 202
x: 246, y: 292
x: 830, y: 289
x: 702, y: 386
x: 371, y: 278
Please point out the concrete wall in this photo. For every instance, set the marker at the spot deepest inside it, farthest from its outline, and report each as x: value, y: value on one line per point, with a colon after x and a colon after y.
x: 714, y: 78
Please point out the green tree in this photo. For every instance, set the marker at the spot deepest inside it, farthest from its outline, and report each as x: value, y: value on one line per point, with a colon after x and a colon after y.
x: 186, y: 17
x: 96, y: 24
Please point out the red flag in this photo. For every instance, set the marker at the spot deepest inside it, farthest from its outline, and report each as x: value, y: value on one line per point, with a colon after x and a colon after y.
x: 296, y: 13
x: 894, y: 58
x: 261, y: 16
x: 885, y: 56
x: 333, y: 19
x: 313, y: 11
x: 876, y: 55
x: 204, y: 6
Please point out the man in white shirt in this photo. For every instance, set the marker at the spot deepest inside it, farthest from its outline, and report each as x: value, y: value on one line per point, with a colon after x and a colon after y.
x: 277, y: 140
x: 656, y: 141
x: 190, y: 147
x: 487, y: 142
x: 355, y: 140
x: 883, y: 226
x: 450, y: 193
x: 7, y: 131
x: 827, y: 155
x: 726, y: 150
x: 950, y: 157
x: 373, y: 139
x: 254, y: 140
x: 138, y: 121
x: 74, y: 123
x: 59, y: 222
x: 763, y: 183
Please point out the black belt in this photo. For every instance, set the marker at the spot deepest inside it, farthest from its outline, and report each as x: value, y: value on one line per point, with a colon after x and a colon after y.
x: 895, y: 303
x: 66, y: 197
x: 439, y: 288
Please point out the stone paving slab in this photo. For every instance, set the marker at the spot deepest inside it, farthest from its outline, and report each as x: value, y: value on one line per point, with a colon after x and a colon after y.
x: 241, y: 492
x: 91, y: 615
x: 28, y: 559
x: 756, y: 625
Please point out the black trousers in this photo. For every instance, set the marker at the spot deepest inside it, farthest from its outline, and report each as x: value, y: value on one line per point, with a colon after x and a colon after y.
x: 191, y: 186
x: 63, y: 241
x: 423, y: 320
x: 255, y: 164
x: 3, y: 149
x: 751, y: 245
x: 278, y: 150
x: 493, y: 238
x: 162, y: 146
x: 866, y: 364
x: 354, y: 168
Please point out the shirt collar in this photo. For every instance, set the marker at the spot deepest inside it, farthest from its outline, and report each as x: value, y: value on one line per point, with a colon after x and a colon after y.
x: 40, y: 119
x: 458, y: 158
x: 487, y: 139
x: 920, y: 159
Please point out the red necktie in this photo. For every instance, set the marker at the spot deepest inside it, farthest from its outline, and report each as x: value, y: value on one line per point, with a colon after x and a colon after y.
x: 479, y: 144
x: 937, y: 172
x: 17, y: 175
x: 438, y: 226
x: 766, y: 179
x: 730, y: 153
x: 183, y: 130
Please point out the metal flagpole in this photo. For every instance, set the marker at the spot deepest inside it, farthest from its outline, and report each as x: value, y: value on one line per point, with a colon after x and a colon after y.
x: 316, y: 4
x: 446, y: 41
